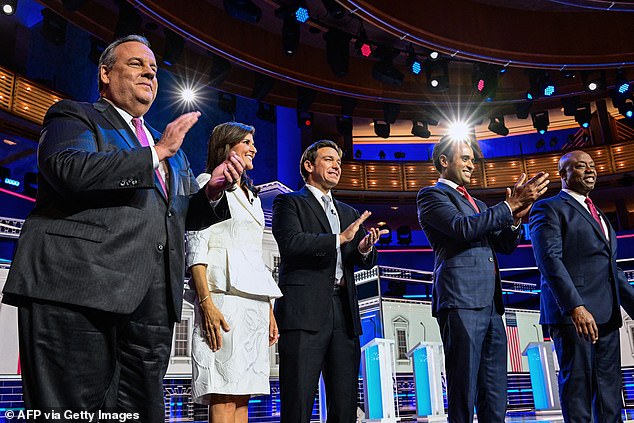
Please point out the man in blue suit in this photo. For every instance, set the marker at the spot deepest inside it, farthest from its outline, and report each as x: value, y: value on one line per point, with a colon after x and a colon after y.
x: 581, y: 290
x: 465, y: 235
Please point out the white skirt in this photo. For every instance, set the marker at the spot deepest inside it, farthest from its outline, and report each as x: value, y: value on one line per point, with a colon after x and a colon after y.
x: 241, y: 366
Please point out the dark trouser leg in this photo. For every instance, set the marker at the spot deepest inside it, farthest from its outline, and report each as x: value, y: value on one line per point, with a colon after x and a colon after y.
x: 575, y: 373
x: 67, y: 355
x: 463, y: 332
x: 491, y: 392
x: 144, y: 345
x: 607, y: 359
x: 301, y: 359
x: 341, y: 368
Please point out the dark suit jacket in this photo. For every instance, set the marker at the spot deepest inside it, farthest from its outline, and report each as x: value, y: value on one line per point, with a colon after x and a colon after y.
x: 308, y: 259
x: 577, y: 263
x: 464, y: 244
x: 100, y: 226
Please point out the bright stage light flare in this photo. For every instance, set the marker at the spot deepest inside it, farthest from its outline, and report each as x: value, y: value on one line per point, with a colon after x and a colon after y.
x: 188, y: 95
x: 459, y: 131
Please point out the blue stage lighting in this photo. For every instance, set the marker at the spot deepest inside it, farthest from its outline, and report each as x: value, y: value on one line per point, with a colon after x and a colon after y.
x: 301, y: 14
x: 529, y: 96
x: 624, y: 87
x: 12, y: 182
x: 416, y: 67
x: 629, y: 113
x: 549, y: 90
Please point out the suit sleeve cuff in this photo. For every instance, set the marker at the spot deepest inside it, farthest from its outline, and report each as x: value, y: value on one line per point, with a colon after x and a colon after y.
x: 155, y: 160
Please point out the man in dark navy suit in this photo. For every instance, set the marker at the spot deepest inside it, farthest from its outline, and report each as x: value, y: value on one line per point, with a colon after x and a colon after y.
x: 465, y: 235
x: 321, y: 240
x: 99, y: 267
x: 581, y: 292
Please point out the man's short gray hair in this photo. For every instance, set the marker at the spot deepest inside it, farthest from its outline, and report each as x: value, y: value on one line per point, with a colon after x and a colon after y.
x: 108, y: 57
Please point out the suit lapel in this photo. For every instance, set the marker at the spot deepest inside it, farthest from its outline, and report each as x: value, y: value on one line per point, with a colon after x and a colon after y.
x: 316, y: 208
x: 459, y: 199
x: 114, y: 118
x: 586, y: 215
x: 245, y: 203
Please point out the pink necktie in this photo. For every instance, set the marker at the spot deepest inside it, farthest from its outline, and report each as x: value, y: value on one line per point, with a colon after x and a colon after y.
x: 140, y: 134
x: 462, y: 190
x: 594, y: 213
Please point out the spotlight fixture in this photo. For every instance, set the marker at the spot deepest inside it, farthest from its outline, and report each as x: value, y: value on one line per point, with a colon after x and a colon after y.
x: 437, y: 74
x: 540, y: 121
x: 381, y: 129
x: 621, y: 84
x: 404, y: 235
x: 485, y: 80
x: 412, y: 62
x: 344, y: 128
x: 384, y: 70
x: 290, y: 36
x: 334, y: 9
x: 593, y: 80
x: 301, y: 13
x: 338, y: 51
x: 305, y: 98
x: 265, y: 112
x: 304, y: 119
x: 362, y: 45
x: 9, y: 7
x: 174, y: 45
x: 583, y: 115
x: 540, y: 84
x: 243, y: 10
x: 523, y: 109
x: 391, y: 111
x: 420, y: 128
x: 433, y: 55
x: 570, y: 105
x: 220, y: 68
x: 262, y: 86
x: 227, y: 102
x: 497, y: 126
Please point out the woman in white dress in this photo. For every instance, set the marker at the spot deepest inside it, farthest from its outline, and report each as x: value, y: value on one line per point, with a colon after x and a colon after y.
x: 234, y: 323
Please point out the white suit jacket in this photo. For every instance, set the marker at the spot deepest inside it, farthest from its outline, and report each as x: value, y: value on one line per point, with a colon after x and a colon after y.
x: 232, y: 249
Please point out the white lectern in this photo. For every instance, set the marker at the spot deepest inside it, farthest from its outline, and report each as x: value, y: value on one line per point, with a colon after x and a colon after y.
x: 428, y: 364
x: 378, y: 369
x: 541, y: 365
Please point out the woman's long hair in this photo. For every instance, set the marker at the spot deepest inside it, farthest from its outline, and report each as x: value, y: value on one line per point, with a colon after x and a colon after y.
x: 223, y: 138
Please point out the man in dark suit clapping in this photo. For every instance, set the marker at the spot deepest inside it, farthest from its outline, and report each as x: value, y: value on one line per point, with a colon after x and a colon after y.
x: 99, y: 267
x: 582, y: 290
x: 465, y: 235
x: 320, y: 240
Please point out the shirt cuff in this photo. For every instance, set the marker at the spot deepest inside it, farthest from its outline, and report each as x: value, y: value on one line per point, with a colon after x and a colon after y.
x: 155, y: 160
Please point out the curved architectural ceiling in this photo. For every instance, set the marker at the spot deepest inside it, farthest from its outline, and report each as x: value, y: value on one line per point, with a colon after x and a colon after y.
x: 558, y: 37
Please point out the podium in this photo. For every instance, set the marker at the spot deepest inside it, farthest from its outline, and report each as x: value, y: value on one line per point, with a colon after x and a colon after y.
x: 378, y: 370
x: 541, y: 366
x: 428, y: 365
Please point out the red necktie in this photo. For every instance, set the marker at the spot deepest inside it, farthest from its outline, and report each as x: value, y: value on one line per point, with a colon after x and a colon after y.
x: 140, y: 134
x: 462, y: 190
x: 594, y: 213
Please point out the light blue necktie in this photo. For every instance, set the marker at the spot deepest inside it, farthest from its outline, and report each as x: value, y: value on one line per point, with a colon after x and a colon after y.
x: 332, y: 215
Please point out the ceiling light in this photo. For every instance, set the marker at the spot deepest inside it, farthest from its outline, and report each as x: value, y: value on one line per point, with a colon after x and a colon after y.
x: 485, y: 80
x: 540, y: 121
x: 497, y: 126
x: 459, y: 131
x: 583, y: 115
x: 420, y: 129
x: 9, y: 7
x: 304, y: 119
x: 244, y: 10
x: 621, y: 85
x: 593, y: 80
x: 381, y: 129
x: 437, y: 74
